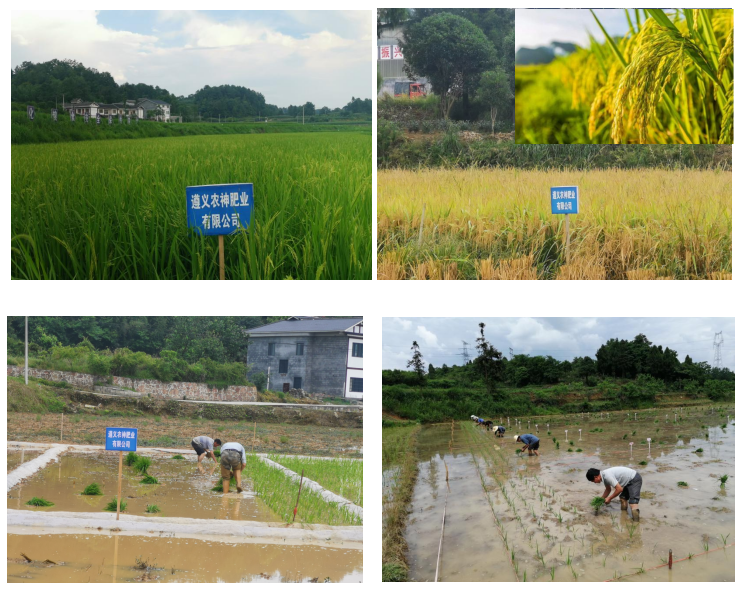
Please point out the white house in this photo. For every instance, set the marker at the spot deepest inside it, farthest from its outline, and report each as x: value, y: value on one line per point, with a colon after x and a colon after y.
x: 143, y: 108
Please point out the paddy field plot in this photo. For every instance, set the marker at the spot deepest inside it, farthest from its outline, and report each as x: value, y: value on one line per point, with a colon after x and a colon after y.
x: 511, y: 517
x: 496, y: 224
x: 115, y: 209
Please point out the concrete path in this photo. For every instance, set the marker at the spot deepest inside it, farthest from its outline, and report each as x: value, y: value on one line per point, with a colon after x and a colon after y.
x: 31, y: 467
x: 29, y: 522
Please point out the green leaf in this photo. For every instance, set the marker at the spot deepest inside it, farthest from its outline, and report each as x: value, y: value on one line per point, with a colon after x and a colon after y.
x: 611, y: 42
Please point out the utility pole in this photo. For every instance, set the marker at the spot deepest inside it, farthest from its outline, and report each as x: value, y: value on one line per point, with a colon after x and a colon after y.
x: 26, y: 370
x: 465, y: 354
x: 717, y: 343
x: 303, y: 114
x: 268, y: 377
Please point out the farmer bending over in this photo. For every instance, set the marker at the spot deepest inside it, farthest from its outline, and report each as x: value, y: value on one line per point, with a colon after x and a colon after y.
x: 232, y: 462
x: 531, y: 443
x: 499, y: 431
x: 204, y: 446
x: 622, y: 481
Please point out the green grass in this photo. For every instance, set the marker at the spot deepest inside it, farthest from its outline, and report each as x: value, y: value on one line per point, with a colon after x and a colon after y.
x: 119, y: 208
x: 39, y: 502
x: 152, y: 509
x: 149, y: 480
x: 341, y: 476
x: 279, y: 492
x: 93, y: 489
x: 111, y: 506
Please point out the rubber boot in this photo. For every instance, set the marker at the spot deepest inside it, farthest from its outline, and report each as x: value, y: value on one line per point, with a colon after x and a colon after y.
x: 636, y: 514
x: 623, y: 504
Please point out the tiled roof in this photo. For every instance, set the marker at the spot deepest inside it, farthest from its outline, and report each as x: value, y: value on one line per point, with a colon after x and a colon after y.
x: 308, y: 325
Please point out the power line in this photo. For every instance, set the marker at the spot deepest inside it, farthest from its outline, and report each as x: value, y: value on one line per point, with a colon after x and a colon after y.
x: 465, y: 353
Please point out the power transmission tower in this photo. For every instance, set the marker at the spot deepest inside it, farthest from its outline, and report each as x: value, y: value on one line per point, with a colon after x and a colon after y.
x: 717, y: 342
x: 465, y: 354
x: 511, y: 353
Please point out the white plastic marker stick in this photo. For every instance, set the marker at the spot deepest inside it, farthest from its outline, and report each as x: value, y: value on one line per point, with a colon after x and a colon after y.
x: 566, y: 435
x: 631, y: 449
x: 649, y: 445
x: 579, y: 434
x: 636, y: 415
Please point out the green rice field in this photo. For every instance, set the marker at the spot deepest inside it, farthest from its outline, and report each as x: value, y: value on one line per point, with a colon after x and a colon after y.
x: 113, y: 209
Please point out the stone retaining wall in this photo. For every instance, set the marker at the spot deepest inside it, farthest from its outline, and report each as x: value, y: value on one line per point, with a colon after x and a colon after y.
x: 153, y: 388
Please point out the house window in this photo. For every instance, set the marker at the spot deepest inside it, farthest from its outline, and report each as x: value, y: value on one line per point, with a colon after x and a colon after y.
x: 356, y: 385
x: 283, y: 365
x: 300, y: 349
x: 356, y: 350
x: 272, y: 349
x: 297, y: 384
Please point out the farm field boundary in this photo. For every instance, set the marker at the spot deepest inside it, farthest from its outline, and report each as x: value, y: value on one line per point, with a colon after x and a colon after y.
x: 246, y: 532
x: 28, y: 469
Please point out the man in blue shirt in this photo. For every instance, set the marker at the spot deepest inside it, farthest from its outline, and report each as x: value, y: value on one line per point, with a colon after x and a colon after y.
x: 531, y: 443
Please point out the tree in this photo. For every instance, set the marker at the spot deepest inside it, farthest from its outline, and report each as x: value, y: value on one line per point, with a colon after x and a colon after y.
x: 494, y: 91
x: 390, y: 18
x: 488, y: 363
x: 417, y: 362
x: 451, y: 52
x: 309, y: 108
x: 585, y: 367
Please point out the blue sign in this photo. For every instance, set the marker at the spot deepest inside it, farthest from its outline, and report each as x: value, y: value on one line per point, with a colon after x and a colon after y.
x: 219, y: 209
x: 121, y: 439
x: 564, y: 199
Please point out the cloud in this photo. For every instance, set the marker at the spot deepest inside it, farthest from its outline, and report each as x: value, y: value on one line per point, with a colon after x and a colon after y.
x: 405, y: 324
x: 428, y: 337
x: 326, y: 67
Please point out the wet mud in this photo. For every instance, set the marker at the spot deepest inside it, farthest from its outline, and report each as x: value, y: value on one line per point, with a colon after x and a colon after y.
x: 514, y: 517
x: 184, y: 489
x: 107, y: 559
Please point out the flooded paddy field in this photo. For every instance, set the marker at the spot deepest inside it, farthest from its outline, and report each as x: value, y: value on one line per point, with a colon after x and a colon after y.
x: 184, y: 489
x: 510, y: 517
x: 107, y: 558
x: 18, y: 457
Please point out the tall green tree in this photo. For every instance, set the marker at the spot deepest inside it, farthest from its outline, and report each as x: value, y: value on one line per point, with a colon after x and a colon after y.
x: 451, y: 52
x: 494, y: 91
x: 417, y: 362
x: 488, y: 363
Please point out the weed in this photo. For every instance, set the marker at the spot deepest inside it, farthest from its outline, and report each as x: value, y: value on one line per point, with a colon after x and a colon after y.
x: 92, y: 489
x: 284, y: 439
x: 39, y: 502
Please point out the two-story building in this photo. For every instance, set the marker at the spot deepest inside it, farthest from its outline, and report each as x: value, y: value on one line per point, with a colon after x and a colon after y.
x: 320, y: 355
x: 143, y: 108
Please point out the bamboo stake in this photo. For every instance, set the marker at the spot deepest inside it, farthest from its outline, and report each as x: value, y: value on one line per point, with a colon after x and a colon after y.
x: 61, y: 425
x: 118, y: 497
x: 254, y: 436
x: 298, y: 495
x: 421, y: 227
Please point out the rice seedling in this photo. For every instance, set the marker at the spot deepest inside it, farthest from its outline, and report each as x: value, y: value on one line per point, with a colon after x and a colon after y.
x: 618, y: 229
x: 552, y: 573
x: 142, y: 464
x: 682, y: 484
x: 597, y: 503
x: 631, y: 528
x: 111, y: 506
x: 152, y: 509
x: 149, y: 480
x: 39, y: 502
x: 130, y: 458
x: 279, y: 492
x: 92, y: 489
x: 339, y: 475
x: 643, y: 463
x: 723, y: 479
x: 579, y: 450
x: 699, y: 450
x: 120, y: 208
x: 668, y: 80
x: 178, y: 457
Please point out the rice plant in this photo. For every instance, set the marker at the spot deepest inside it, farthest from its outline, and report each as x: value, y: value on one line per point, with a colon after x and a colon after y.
x: 142, y: 464
x: 111, y: 506
x: 668, y: 80
x: 131, y: 458
x: 120, y: 209
x: 682, y: 484
x: 471, y: 231
x: 39, y: 502
x: 92, y: 489
x: 723, y: 479
x: 597, y: 503
x: 178, y: 457
x: 152, y: 509
x: 279, y: 492
x: 149, y: 480
x: 339, y: 475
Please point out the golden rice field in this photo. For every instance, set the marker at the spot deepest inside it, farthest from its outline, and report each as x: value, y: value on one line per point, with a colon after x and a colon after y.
x: 496, y: 224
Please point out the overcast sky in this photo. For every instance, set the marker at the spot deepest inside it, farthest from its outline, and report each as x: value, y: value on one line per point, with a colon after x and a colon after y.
x: 536, y: 27
x: 440, y: 339
x: 291, y: 57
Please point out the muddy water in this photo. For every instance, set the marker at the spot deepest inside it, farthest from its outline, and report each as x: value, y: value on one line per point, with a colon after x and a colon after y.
x: 16, y: 458
x: 184, y: 489
x: 471, y: 547
x: 106, y: 559
x: 542, y: 502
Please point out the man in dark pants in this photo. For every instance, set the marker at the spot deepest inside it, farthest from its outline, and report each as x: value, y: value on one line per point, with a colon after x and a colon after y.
x: 499, y: 430
x: 622, y: 481
x: 204, y: 446
x: 531, y: 443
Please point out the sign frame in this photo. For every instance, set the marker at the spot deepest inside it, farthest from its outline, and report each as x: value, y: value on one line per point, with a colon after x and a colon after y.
x: 565, y: 200
x: 120, y: 434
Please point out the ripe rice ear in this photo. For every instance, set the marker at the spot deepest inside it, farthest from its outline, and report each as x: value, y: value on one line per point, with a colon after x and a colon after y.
x: 420, y: 271
x: 486, y: 270
x: 720, y: 275
x: 521, y: 268
x: 390, y: 268
x: 641, y: 274
x: 581, y: 270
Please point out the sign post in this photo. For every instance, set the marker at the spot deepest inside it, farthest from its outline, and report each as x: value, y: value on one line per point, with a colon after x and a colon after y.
x: 216, y: 210
x: 30, y: 111
x: 565, y: 200
x: 120, y: 439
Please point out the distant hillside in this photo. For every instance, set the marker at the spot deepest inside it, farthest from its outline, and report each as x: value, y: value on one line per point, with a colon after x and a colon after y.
x: 542, y: 55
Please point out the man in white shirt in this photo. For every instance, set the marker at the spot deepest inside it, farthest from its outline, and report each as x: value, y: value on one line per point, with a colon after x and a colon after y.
x: 622, y: 481
x: 232, y: 463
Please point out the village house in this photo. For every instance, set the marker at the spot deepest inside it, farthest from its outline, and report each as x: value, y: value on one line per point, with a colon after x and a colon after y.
x: 143, y: 108
x: 319, y: 355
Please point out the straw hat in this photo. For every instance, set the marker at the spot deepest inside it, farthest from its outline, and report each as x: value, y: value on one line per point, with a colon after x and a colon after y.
x: 516, y: 437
